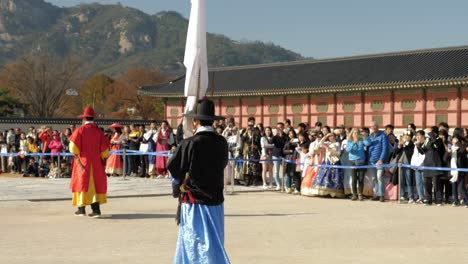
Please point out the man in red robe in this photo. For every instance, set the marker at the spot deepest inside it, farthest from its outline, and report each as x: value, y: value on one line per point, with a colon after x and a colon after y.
x: 88, y: 180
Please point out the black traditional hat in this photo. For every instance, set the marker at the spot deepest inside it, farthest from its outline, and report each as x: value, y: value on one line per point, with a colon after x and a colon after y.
x: 204, y: 110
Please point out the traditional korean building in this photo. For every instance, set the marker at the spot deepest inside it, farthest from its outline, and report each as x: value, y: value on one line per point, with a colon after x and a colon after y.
x: 423, y: 87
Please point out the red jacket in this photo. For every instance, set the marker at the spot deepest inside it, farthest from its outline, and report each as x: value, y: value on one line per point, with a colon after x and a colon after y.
x: 91, y: 146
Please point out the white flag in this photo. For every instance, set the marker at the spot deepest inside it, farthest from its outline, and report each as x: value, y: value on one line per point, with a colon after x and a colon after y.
x: 195, y: 60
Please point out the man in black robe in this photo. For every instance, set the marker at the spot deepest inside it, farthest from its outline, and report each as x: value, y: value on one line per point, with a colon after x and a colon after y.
x: 197, y: 167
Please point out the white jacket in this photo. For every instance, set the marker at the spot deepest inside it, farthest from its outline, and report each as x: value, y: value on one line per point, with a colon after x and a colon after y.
x: 417, y: 159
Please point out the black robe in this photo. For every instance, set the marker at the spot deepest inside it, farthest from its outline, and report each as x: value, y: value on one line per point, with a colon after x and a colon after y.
x: 203, y: 158
x: 434, y: 153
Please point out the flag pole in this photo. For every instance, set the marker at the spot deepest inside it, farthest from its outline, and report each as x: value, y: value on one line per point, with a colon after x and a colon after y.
x: 212, y: 86
x: 198, y: 84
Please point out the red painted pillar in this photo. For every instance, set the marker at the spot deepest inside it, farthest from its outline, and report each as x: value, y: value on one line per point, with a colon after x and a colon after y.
x: 262, y: 103
x: 309, y: 110
x: 240, y: 112
x: 392, y: 107
x: 284, y: 108
x: 335, y: 108
x: 459, y: 106
x: 220, y: 103
x: 165, y: 108
x: 424, y: 108
x: 363, y: 101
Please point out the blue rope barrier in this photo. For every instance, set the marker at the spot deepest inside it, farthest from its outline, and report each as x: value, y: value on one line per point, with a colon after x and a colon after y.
x: 236, y: 160
x: 354, y: 167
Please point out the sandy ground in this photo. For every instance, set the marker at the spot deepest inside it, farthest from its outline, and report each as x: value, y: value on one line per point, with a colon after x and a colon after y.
x: 260, y: 228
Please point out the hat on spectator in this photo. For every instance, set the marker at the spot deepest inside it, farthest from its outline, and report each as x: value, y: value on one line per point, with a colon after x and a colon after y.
x: 116, y: 125
x: 87, y: 112
x: 204, y: 110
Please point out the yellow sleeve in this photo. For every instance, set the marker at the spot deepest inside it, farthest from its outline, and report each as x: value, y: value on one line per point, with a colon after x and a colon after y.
x: 105, y: 154
x: 73, y: 148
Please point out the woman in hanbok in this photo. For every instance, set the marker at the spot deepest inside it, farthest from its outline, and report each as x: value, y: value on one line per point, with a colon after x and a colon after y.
x: 252, y: 147
x: 311, y: 169
x: 114, y: 164
x: 329, y: 181
x: 164, y: 139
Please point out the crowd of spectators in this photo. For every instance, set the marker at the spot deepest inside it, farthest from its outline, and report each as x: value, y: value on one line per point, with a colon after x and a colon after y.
x: 35, y: 152
x: 285, y: 157
x: 139, y: 141
x: 259, y: 160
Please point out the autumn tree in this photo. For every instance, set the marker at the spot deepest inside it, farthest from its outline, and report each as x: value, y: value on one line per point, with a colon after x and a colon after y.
x: 122, y: 95
x: 43, y: 82
x: 94, y: 92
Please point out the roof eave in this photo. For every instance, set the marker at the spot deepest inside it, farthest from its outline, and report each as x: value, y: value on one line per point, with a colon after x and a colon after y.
x: 452, y: 82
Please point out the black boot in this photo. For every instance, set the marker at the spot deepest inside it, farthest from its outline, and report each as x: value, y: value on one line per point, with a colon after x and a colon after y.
x: 250, y: 181
x: 81, y: 211
x: 96, y: 210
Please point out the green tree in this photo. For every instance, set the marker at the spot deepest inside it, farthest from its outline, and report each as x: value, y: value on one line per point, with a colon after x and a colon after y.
x: 7, y: 103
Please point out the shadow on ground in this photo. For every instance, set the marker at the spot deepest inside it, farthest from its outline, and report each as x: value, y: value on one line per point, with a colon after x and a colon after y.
x: 260, y: 215
x: 162, y: 216
x: 140, y: 216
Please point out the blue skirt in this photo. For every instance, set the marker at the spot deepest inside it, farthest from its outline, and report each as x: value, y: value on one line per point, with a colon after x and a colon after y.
x: 329, y: 181
x: 201, y: 235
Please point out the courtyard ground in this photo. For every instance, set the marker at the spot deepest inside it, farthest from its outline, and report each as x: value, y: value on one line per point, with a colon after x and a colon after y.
x: 261, y: 227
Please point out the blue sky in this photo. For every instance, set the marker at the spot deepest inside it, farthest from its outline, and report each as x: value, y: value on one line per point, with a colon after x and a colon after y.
x: 327, y: 28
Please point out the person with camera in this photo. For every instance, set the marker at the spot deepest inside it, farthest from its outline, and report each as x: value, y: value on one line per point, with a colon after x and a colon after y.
x: 457, y: 158
x: 446, y: 186
x: 278, y: 140
x: 434, y: 150
x: 404, y: 152
x: 289, y: 155
x: 417, y: 160
x: 251, y: 150
x: 228, y: 130
x: 329, y: 181
x: 357, y: 157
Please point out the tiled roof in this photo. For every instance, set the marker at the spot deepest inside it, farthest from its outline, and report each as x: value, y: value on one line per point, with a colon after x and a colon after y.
x: 435, y: 67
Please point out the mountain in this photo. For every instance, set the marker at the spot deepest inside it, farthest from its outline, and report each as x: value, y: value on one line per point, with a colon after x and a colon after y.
x: 113, y: 38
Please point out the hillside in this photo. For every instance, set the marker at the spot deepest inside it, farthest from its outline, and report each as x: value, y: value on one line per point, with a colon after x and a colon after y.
x: 113, y: 38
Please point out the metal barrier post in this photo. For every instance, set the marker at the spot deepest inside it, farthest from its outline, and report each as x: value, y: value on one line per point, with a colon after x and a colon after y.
x: 233, y: 171
x: 58, y: 165
x: 124, y: 159
x: 399, y: 182
x: 283, y: 172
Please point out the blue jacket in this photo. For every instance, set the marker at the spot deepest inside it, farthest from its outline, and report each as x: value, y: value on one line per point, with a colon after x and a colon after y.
x: 356, y: 150
x: 378, y: 149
